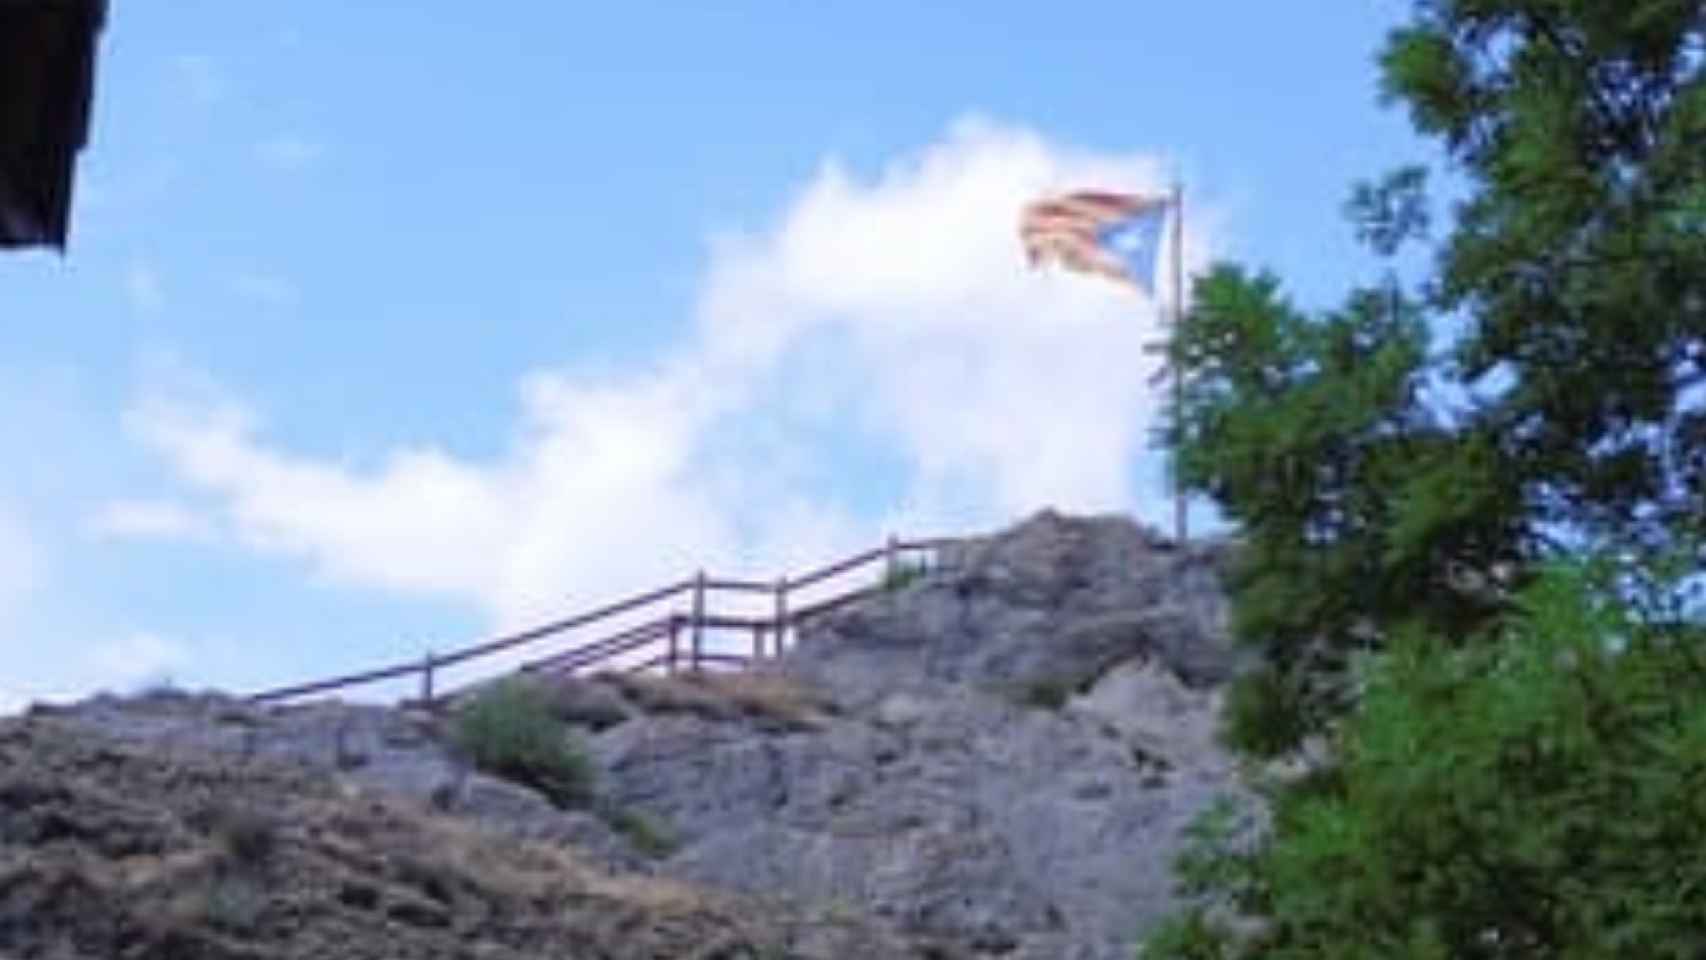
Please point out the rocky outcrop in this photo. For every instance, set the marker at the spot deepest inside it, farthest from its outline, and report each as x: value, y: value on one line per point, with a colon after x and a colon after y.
x: 999, y: 759
x: 1056, y: 599
x: 1006, y: 752
x: 113, y: 848
x: 398, y: 752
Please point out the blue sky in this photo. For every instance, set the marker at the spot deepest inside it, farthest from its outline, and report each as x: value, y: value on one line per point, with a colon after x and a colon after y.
x: 386, y: 325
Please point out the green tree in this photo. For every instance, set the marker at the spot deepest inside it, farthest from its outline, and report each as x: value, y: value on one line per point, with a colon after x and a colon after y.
x: 1577, y: 269
x: 1537, y: 797
x: 1577, y: 259
x: 1515, y: 738
x: 1360, y: 510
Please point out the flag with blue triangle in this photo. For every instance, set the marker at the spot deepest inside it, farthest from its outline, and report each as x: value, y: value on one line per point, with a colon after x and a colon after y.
x: 1117, y: 235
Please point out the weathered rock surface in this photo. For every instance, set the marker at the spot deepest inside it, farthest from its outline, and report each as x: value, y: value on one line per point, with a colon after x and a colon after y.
x: 1008, y: 751
x: 999, y: 759
x: 402, y: 752
x: 1055, y: 598
x: 113, y: 848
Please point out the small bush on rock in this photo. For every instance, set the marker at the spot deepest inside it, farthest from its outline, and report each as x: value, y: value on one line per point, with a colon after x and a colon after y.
x: 508, y: 730
x: 1045, y: 692
x: 903, y: 575
x: 1048, y: 693
x: 648, y: 835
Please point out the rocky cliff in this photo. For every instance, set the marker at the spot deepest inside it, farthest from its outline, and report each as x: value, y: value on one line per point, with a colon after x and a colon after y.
x: 998, y: 759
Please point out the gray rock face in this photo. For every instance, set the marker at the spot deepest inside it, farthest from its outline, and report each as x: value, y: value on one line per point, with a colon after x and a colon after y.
x: 1010, y: 752
x: 1002, y: 756
x: 948, y: 811
x: 1055, y: 599
x: 375, y: 748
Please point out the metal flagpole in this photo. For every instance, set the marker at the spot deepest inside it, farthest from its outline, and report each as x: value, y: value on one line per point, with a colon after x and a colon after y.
x: 1178, y: 372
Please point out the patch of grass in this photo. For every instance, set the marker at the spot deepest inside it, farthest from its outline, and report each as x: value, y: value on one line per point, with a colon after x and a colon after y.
x: 647, y: 834
x: 767, y: 695
x: 903, y: 575
x: 1044, y: 693
x: 508, y: 730
x: 730, y: 695
x: 686, y: 693
x: 1048, y: 693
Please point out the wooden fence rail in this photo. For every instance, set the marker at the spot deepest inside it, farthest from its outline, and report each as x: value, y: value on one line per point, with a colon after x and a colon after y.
x: 663, y: 634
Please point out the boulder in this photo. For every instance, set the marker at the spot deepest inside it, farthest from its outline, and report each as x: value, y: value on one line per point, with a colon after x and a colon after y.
x: 1056, y: 599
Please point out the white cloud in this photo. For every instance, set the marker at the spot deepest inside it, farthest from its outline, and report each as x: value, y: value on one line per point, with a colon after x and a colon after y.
x: 501, y: 534
x: 142, y: 287
x: 895, y: 309
x: 163, y: 519
x: 122, y: 665
x: 289, y: 152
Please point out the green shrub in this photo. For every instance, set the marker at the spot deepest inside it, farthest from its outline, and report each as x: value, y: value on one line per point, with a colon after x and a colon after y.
x: 508, y: 730
x: 903, y: 575
x: 1536, y: 795
x: 1043, y: 693
x: 1262, y: 716
x: 1189, y: 935
x: 1048, y: 693
x: 648, y: 836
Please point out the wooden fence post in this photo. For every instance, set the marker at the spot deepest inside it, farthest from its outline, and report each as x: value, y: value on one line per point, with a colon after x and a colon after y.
x: 781, y: 612
x: 674, y: 644
x: 698, y: 620
x: 426, y: 680
x: 891, y: 559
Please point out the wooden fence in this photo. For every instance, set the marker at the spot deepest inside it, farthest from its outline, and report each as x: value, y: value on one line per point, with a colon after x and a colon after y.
x: 656, y: 644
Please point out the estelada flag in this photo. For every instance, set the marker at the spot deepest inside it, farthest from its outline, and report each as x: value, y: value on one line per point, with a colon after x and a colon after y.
x: 1117, y: 235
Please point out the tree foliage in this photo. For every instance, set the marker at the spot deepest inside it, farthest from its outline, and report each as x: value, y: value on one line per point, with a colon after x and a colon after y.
x: 1359, y: 509
x: 1516, y: 737
x: 1541, y: 796
x: 1577, y: 269
x: 1577, y: 259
